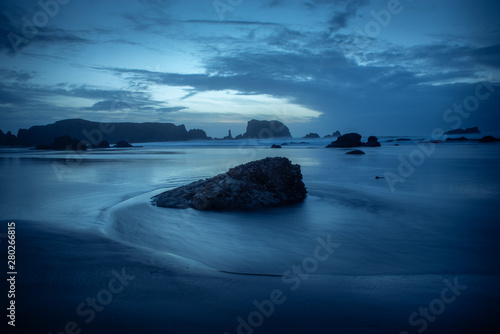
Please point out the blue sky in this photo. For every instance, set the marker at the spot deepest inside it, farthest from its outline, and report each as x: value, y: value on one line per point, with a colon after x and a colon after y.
x: 372, y: 66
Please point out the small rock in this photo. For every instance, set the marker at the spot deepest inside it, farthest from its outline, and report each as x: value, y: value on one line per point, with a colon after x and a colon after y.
x: 463, y: 131
x: 102, y: 144
x: 372, y: 142
x: 356, y: 152
x: 347, y: 140
x: 488, y: 139
x: 122, y: 144
x: 457, y: 139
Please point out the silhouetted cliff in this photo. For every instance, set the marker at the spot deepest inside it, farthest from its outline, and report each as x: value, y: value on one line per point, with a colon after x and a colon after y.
x: 93, y: 132
x: 8, y: 139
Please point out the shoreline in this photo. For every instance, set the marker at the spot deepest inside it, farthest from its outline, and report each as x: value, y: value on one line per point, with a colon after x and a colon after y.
x: 397, y: 248
x: 162, y: 299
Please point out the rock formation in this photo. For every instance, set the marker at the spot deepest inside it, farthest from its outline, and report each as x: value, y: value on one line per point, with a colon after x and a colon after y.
x: 457, y: 139
x: 94, y: 132
x: 8, y: 139
x: 229, y: 136
x: 488, y: 139
x: 311, y: 135
x: 265, y: 130
x: 102, y: 144
x: 354, y: 140
x: 258, y: 184
x: 347, y: 140
x: 335, y: 134
x: 356, y: 152
x: 122, y: 144
x: 64, y: 143
x: 372, y: 142
x: 462, y: 131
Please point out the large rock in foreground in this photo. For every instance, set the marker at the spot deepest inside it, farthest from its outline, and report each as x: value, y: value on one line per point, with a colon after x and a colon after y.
x: 258, y: 184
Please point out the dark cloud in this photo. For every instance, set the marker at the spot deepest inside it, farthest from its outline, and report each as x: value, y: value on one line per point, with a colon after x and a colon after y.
x: 231, y: 22
x: 392, y: 81
x: 109, y: 105
x: 276, y: 3
x: 17, y: 35
x: 131, y: 105
x: 8, y: 74
x: 340, y: 19
x: 306, y: 63
x: 35, y: 98
x: 172, y: 109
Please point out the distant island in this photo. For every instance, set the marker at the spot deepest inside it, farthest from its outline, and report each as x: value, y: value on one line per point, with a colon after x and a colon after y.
x: 99, y: 135
x: 462, y: 131
x: 311, y: 135
x: 94, y: 133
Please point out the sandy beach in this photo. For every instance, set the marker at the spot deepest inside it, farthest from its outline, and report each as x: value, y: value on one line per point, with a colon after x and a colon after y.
x: 100, y: 259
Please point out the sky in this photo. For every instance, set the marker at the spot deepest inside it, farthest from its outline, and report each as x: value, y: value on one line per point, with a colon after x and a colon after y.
x: 376, y: 67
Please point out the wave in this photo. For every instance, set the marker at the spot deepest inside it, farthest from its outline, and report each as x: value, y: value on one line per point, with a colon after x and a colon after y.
x: 266, y: 242
x: 376, y: 234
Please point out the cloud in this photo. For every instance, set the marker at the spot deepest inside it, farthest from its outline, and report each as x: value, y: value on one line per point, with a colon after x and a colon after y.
x: 311, y: 63
x: 14, y: 39
x: 16, y: 92
x: 231, y: 22
x: 109, y: 105
x: 276, y: 3
x: 340, y: 19
x: 22, y: 76
x: 171, y: 109
x: 374, y: 78
x: 120, y: 105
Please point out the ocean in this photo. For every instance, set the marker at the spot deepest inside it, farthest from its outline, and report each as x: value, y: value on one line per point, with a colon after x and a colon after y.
x: 399, y: 221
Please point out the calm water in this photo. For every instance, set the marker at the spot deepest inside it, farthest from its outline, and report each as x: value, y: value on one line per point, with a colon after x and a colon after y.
x: 441, y: 220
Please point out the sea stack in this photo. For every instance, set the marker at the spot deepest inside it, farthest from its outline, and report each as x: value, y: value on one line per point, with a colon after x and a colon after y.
x: 347, y: 140
x: 265, y: 130
x: 265, y: 183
